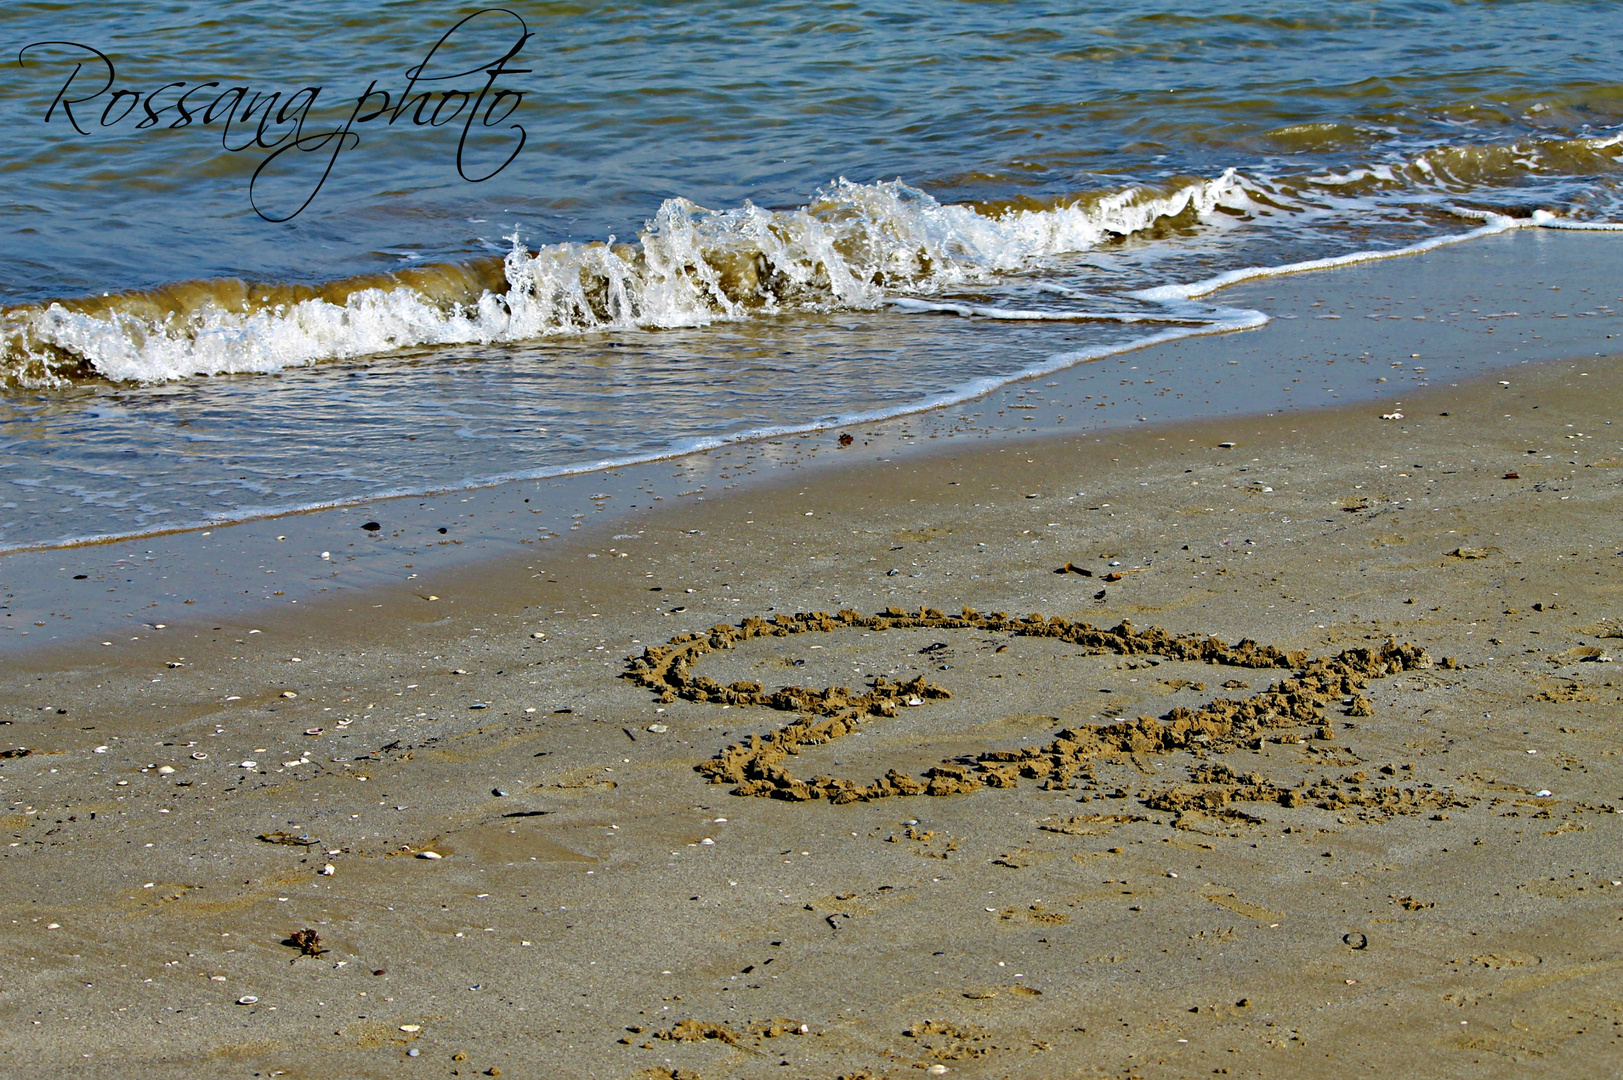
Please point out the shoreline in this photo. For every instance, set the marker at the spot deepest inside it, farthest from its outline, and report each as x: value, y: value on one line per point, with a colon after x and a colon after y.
x: 220, y: 571
x: 1165, y: 910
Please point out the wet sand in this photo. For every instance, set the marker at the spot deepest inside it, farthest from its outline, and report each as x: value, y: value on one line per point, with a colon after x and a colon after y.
x: 1372, y: 827
x: 1366, y: 332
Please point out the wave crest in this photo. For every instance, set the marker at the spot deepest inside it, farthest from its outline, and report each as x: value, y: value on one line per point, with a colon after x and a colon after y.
x: 855, y: 246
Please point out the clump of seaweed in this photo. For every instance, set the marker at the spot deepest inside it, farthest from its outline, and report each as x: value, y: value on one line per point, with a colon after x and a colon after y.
x: 307, y: 941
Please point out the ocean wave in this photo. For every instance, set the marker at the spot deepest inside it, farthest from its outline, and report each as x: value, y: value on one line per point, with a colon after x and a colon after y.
x: 855, y: 246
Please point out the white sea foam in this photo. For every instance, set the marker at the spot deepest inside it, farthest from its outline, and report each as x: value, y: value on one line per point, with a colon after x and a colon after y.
x: 856, y: 246
x: 1173, y: 294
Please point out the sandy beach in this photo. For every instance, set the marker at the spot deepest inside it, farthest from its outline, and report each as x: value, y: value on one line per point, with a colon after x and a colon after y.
x: 695, y: 542
x: 1276, y: 746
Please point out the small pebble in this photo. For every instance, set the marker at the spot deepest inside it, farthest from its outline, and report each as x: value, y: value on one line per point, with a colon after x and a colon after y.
x: 413, y: 1052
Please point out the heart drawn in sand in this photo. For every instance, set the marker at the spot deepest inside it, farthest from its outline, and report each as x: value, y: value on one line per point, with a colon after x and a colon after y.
x: 1295, y: 701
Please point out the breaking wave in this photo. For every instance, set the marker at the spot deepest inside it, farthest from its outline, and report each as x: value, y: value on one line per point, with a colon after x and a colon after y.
x: 855, y: 246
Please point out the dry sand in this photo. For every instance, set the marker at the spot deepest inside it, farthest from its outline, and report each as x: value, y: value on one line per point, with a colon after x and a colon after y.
x: 1389, y: 861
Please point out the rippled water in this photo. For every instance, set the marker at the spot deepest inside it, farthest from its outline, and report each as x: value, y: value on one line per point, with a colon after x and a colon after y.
x: 723, y: 219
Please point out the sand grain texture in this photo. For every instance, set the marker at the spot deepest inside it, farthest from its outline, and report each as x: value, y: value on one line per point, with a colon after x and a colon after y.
x: 1326, y: 783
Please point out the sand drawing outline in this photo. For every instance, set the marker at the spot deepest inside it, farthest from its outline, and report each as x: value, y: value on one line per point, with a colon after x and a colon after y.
x: 757, y: 767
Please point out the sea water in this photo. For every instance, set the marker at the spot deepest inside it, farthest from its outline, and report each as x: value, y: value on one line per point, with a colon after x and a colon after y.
x: 657, y: 228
